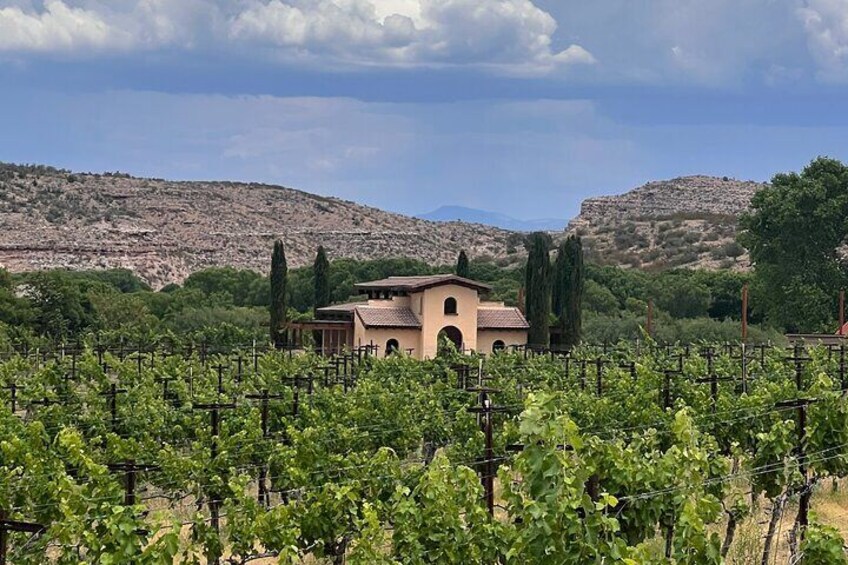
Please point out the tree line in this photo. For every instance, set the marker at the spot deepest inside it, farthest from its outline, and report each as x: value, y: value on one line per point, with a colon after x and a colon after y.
x: 232, y: 305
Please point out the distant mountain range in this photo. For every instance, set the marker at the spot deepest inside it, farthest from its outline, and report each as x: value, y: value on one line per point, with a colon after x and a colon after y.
x: 475, y: 216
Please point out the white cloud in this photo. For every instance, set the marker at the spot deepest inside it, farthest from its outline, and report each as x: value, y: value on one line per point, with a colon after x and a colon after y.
x: 512, y: 35
x: 826, y: 24
x: 507, y: 35
x: 58, y: 27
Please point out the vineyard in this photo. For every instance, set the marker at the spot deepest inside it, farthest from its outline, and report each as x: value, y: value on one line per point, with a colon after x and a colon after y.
x: 632, y: 453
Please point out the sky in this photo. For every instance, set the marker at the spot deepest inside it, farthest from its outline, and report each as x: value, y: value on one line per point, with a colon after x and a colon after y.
x: 523, y: 107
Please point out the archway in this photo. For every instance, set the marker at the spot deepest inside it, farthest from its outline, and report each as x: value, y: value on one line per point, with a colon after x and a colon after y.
x: 452, y: 334
x: 392, y: 347
x: 499, y: 345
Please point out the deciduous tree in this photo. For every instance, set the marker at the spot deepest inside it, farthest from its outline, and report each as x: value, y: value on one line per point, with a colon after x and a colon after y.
x: 793, y: 233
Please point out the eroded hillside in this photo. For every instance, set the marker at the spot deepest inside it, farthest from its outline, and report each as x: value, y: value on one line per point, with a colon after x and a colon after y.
x: 683, y: 222
x: 164, y: 230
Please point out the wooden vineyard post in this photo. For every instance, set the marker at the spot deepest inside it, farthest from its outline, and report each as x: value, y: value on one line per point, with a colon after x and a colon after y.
x: 799, y: 361
x: 239, y: 363
x: 138, y: 358
x: 264, y: 495
x: 165, y: 392
x: 744, y: 315
x: 801, y: 405
x: 215, y: 422
x: 666, y: 391
x: 841, y: 312
x: 130, y: 471
x: 582, y: 374
x: 599, y: 369
x: 713, y: 379
x: 487, y: 465
x: 13, y: 395
x: 112, y: 396
x: 219, y: 368
x: 7, y: 526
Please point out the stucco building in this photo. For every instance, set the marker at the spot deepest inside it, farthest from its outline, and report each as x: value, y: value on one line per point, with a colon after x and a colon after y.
x: 410, y: 313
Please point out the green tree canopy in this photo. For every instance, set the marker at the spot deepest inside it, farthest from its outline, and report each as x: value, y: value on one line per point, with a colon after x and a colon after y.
x: 793, y: 233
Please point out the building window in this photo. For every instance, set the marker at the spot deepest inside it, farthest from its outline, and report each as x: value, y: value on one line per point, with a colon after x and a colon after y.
x: 392, y: 347
x: 450, y: 305
x: 498, y: 346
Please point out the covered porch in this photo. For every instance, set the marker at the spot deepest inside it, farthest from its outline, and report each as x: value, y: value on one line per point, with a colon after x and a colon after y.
x: 331, y: 337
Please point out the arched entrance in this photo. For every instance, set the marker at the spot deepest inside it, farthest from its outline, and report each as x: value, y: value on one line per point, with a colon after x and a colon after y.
x: 452, y: 334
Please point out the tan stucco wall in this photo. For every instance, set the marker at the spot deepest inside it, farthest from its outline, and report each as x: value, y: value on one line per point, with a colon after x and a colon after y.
x: 433, y: 318
x: 487, y: 338
x: 407, y: 339
x: 428, y: 305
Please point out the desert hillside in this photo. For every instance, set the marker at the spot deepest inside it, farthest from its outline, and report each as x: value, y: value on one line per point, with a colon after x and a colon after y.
x: 683, y: 222
x: 164, y: 230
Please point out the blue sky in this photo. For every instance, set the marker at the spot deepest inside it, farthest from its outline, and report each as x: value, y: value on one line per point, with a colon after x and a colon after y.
x: 523, y: 107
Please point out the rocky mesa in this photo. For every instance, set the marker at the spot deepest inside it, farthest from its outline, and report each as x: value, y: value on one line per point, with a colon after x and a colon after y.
x: 164, y: 230
x: 684, y: 222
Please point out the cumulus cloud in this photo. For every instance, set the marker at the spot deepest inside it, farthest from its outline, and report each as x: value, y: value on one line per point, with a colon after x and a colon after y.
x: 511, y: 35
x: 57, y: 27
x: 826, y: 24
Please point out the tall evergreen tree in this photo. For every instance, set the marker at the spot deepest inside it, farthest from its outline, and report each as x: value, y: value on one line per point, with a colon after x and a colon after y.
x: 538, y: 290
x: 559, y: 282
x: 462, y: 267
x: 279, y: 275
x: 321, y: 280
x: 573, y: 283
x: 321, y: 272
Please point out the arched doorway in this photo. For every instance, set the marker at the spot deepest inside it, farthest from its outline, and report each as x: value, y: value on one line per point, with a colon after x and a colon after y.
x: 392, y: 347
x: 499, y: 345
x: 452, y: 334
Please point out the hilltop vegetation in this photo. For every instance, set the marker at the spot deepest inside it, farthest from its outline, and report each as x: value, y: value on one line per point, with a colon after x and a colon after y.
x: 684, y: 222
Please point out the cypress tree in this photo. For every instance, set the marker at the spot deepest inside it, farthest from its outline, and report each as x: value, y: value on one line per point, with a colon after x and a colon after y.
x: 538, y: 290
x: 559, y: 286
x: 279, y: 274
x: 571, y: 318
x: 320, y: 276
x: 462, y: 267
x: 321, y: 272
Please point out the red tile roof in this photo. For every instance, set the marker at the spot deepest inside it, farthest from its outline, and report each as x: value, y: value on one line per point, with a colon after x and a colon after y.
x: 349, y: 307
x: 501, y: 319
x: 377, y: 317
x: 411, y: 284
